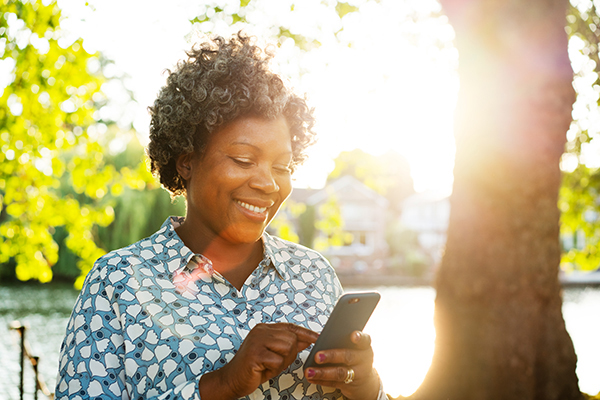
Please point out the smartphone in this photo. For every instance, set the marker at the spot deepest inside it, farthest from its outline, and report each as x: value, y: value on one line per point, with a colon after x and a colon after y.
x: 351, y: 313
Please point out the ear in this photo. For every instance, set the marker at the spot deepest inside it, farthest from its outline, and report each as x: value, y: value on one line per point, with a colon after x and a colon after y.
x: 184, y: 165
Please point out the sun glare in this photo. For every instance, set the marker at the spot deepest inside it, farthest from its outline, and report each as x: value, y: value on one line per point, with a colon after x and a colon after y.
x: 403, y: 337
x: 382, y: 91
x: 382, y: 78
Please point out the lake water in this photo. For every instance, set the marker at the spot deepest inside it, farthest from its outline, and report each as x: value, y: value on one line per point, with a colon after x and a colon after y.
x: 403, y: 336
x: 401, y: 329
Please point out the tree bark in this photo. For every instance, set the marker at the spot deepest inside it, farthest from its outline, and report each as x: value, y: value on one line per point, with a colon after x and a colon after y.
x: 500, y: 333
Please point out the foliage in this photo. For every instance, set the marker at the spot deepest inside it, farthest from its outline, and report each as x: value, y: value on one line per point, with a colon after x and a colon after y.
x: 306, y: 226
x: 344, y: 8
x: 330, y: 225
x: 255, y: 15
x: 320, y: 227
x: 580, y: 203
x: 579, y: 194
x: 53, y: 172
x: 583, y: 22
x: 406, y: 255
x: 283, y: 224
x: 140, y: 213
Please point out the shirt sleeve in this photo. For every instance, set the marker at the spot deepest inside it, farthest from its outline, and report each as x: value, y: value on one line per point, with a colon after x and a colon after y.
x: 92, y: 361
x: 381, y: 395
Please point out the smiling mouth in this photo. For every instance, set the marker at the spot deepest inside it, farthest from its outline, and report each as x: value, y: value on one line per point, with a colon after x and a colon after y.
x: 252, y: 208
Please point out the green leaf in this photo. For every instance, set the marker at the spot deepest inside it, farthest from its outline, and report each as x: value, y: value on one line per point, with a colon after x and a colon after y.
x: 52, y: 173
x: 344, y: 8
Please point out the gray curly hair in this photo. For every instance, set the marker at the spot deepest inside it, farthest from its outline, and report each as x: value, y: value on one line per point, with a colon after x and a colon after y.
x: 220, y: 81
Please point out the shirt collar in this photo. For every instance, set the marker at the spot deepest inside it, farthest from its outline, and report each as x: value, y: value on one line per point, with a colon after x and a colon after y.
x: 167, y: 229
x: 273, y: 251
x: 272, y: 248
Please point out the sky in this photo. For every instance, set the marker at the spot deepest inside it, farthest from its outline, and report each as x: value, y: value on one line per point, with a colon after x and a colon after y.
x: 387, y: 82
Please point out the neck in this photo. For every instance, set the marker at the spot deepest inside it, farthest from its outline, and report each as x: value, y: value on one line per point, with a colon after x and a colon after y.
x: 234, y: 261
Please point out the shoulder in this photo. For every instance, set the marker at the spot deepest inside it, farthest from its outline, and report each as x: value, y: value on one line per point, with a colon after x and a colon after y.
x: 152, y: 255
x: 283, y: 251
x: 297, y: 262
x: 116, y: 263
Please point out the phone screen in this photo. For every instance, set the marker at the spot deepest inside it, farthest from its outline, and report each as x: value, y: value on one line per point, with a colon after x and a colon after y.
x: 351, y: 313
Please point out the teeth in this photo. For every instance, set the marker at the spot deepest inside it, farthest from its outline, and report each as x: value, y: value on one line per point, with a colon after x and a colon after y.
x: 252, y: 208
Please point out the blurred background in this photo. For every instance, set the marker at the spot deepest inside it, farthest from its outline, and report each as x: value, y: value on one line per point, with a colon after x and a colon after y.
x: 76, y: 80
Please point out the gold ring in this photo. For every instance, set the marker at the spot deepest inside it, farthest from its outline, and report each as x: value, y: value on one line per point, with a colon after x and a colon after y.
x: 349, y: 376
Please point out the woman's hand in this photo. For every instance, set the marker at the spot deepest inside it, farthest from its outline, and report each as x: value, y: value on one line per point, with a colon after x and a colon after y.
x: 352, y: 365
x: 265, y: 353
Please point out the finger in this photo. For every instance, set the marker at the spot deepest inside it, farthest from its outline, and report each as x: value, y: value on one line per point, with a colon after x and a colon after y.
x: 331, y: 376
x: 267, y: 338
x: 283, y: 343
x: 304, y: 337
x: 303, y: 334
x: 361, y: 339
x: 272, y: 364
x: 301, y: 346
x: 348, y: 357
x: 270, y: 361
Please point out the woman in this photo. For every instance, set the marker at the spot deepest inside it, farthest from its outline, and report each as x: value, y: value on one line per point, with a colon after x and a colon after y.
x: 211, y: 306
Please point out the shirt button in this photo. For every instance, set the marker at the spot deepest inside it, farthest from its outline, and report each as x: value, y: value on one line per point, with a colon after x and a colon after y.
x: 234, y: 294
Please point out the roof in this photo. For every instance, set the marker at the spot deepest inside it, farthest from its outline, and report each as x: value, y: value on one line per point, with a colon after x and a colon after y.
x: 345, y: 188
x: 426, y: 197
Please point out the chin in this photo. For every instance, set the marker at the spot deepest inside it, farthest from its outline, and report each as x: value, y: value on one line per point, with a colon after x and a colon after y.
x: 245, y: 236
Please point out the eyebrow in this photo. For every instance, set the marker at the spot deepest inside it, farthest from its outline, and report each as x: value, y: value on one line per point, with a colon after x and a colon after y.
x: 256, y: 147
x: 244, y: 144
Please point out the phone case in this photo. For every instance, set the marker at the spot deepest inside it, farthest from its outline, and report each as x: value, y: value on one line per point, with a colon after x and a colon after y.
x: 351, y: 313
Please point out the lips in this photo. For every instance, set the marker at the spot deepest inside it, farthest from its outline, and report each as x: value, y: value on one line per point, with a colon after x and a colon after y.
x: 252, y: 208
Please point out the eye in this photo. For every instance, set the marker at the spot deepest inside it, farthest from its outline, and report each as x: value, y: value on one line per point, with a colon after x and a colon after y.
x: 283, y: 167
x: 243, y: 162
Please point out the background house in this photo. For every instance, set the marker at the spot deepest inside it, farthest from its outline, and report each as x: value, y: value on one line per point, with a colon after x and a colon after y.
x: 361, y: 242
x: 427, y: 214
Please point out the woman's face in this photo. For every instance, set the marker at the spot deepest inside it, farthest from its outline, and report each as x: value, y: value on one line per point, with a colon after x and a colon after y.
x: 236, y: 187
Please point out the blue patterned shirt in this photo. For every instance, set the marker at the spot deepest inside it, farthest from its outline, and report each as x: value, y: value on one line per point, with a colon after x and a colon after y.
x: 153, y: 317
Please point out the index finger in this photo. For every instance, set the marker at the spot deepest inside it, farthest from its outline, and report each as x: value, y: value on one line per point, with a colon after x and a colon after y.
x: 304, y: 336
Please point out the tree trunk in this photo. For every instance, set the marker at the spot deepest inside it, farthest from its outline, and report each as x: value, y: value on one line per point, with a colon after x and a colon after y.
x: 498, y: 318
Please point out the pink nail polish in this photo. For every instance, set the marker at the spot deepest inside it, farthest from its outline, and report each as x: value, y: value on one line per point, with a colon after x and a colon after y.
x: 310, y: 373
x: 321, y: 357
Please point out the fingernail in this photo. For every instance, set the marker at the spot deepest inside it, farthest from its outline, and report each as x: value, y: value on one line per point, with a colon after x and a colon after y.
x: 321, y: 357
x: 357, y: 336
x: 310, y: 373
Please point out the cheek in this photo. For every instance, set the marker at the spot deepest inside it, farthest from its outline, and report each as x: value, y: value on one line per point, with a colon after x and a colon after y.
x: 285, y: 188
x: 230, y: 178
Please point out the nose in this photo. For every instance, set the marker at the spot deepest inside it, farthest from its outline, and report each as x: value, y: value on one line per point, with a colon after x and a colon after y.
x: 264, y: 180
